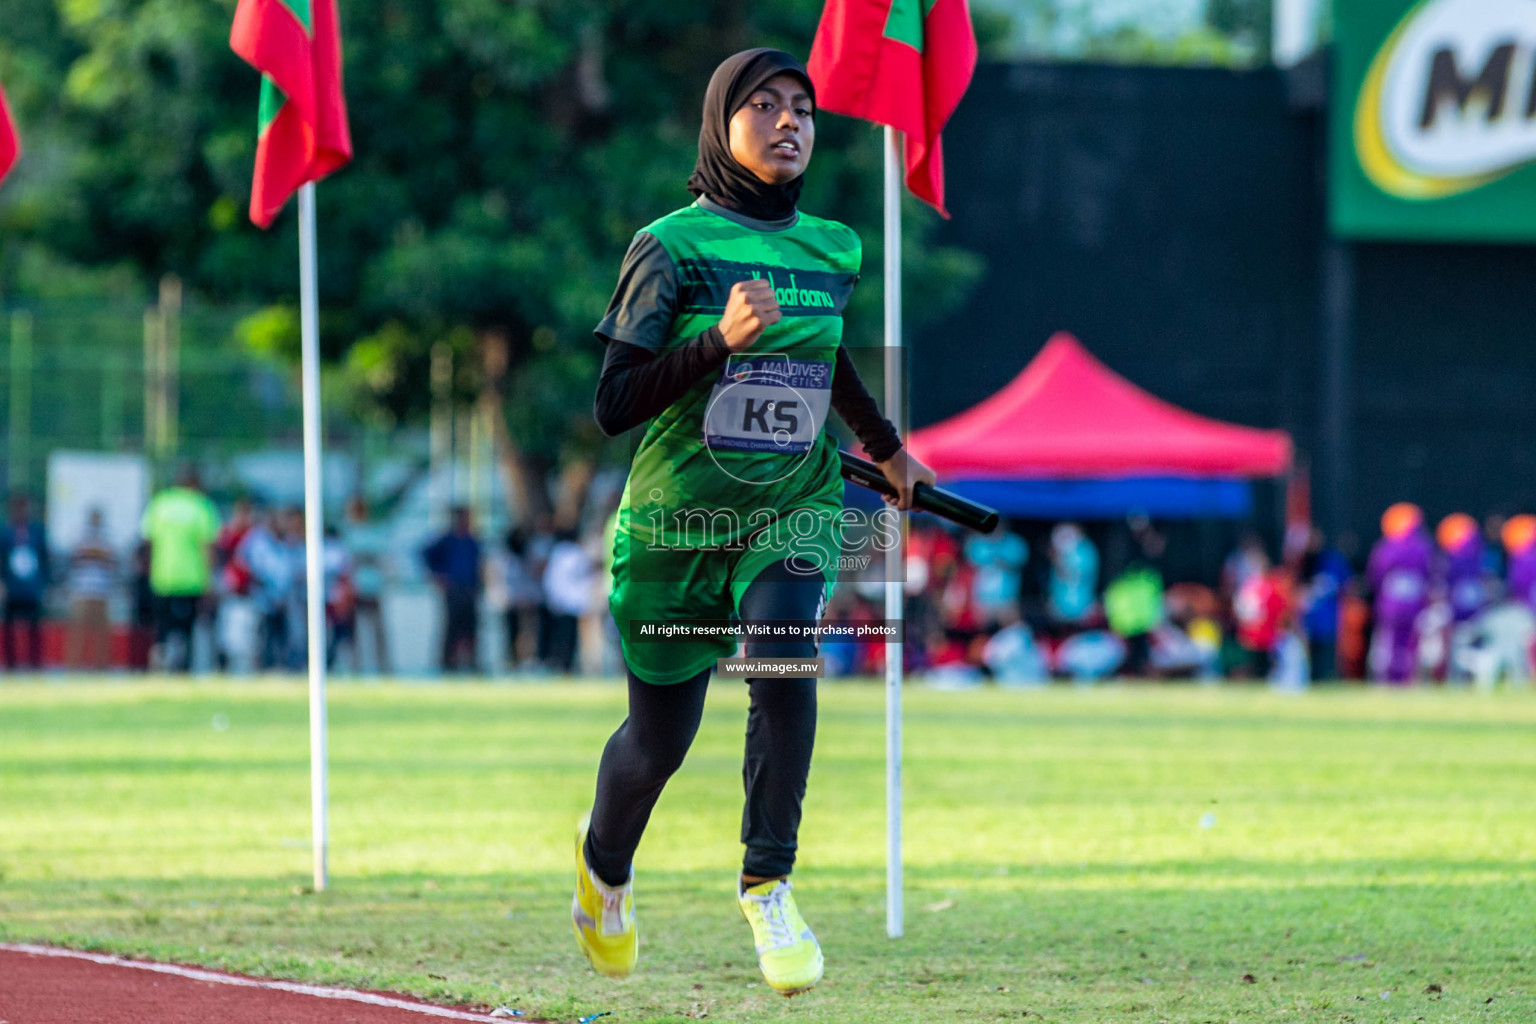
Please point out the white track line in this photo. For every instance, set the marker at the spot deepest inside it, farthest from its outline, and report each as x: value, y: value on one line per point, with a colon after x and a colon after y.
x: 230, y: 979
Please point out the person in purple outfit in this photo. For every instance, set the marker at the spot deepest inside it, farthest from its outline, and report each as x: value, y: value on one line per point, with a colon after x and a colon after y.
x: 1460, y: 567
x: 1519, y: 536
x: 1398, y: 575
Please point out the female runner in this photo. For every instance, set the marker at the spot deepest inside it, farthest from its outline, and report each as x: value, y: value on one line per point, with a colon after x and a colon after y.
x: 725, y: 336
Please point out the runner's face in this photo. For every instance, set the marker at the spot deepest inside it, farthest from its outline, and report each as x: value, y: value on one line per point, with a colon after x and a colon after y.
x: 773, y: 132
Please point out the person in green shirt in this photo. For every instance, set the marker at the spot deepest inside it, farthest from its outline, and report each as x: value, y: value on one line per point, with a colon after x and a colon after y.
x: 181, y: 526
x: 724, y: 339
x: 1133, y: 604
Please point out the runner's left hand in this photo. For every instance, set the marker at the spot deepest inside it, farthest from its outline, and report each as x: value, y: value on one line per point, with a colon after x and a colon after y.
x: 905, y: 472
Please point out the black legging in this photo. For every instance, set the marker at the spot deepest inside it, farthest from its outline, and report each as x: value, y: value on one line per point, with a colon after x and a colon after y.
x: 649, y: 747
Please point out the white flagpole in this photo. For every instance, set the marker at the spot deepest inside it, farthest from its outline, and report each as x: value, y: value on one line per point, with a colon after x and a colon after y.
x: 894, y: 560
x: 314, y: 530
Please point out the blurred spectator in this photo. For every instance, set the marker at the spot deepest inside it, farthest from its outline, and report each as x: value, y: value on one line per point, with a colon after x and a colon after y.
x: 1519, y: 539
x: 1493, y: 546
x: 454, y: 561
x: 498, y: 597
x: 238, y: 624
x: 1133, y: 604
x: 241, y: 518
x: 273, y: 553
x: 1175, y: 654
x: 1091, y: 654
x: 1325, y: 571
x: 1247, y: 560
x: 950, y: 661
x: 181, y: 526
x: 1398, y: 575
x: 141, y: 623
x: 1262, y: 610
x: 1354, y: 631
x: 368, y: 545
x: 1151, y: 543
x: 568, y: 593
x: 1458, y: 593
x: 1497, y: 645
x: 24, y: 572
x: 1012, y: 656
x: 1074, y: 574
x: 999, y: 558
x: 932, y: 556
x: 232, y: 586
x: 613, y: 655
x: 1459, y: 575
x: 957, y: 599
x: 92, y: 577
x: 518, y: 597
x: 293, y: 541
x: 854, y: 657
x: 540, y: 544
x: 1434, y: 631
x: 1196, y: 610
x: 841, y: 653
x: 597, y: 636
x: 1292, y: 669
x: 340, y: 600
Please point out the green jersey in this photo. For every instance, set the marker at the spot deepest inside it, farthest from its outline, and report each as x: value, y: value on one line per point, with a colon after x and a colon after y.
x: 740, y: 472
x: 180, y: 524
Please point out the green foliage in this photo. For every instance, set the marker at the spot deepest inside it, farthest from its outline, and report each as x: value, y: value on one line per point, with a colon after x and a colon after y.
x: 86, y: 374
x: 1156, y: 853
x: 1222, y: 33
x: 1198, y: 46
x: 505, y: 155
x: 1249, y: 23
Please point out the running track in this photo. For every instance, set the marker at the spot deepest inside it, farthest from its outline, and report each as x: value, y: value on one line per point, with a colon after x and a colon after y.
x: 44, y: 985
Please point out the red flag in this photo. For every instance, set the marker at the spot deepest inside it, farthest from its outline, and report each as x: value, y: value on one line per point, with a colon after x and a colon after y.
x: 903, y: 63
x: 302, y: 132
x: 10, y: 145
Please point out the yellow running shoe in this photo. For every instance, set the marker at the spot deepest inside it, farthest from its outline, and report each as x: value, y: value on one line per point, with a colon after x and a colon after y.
x: 786, y: 950
x: 603, y: 916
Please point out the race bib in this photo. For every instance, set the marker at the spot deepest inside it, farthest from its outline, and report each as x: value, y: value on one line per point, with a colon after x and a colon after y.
x: 768, y: 403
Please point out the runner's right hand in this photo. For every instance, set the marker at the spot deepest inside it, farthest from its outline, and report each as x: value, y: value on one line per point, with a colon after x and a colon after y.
x: 751, y: 308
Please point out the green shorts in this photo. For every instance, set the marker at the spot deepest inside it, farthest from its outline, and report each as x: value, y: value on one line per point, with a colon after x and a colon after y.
x: 669, y: 585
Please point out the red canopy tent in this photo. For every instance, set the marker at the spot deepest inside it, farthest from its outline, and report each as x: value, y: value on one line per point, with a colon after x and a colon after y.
x: 1067, y: 415
x: 1070, y: 437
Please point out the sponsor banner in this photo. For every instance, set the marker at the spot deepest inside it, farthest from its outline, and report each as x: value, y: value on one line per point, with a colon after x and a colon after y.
x: 1434, y: 120
x: 704, y: 286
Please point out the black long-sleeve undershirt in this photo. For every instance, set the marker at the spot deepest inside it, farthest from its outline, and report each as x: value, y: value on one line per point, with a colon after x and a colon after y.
x: 857, y: 407
x: 636, y: 385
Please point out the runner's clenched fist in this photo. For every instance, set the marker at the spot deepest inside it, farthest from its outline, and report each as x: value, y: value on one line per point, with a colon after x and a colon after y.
x: 751, y: 308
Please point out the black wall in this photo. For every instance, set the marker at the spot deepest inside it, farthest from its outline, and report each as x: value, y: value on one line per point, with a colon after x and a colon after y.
x: 1174, y: 220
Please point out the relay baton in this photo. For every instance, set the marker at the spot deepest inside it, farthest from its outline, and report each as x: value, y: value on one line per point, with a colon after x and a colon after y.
x: 937, y: 500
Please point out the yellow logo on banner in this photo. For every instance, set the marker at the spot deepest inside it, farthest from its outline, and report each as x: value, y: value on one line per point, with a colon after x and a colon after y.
x: 1449, y: 102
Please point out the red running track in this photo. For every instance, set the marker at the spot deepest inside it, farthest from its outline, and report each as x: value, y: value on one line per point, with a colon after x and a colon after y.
x: 43, y: 985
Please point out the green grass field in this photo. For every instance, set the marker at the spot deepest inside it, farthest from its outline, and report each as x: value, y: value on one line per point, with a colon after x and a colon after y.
x: 1116, y: 854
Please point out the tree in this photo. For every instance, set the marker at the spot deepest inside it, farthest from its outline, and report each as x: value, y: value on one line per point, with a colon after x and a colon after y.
x: 1226, y: 33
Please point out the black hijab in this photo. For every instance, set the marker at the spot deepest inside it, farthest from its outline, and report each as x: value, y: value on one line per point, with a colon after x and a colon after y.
x: 717, y: 174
